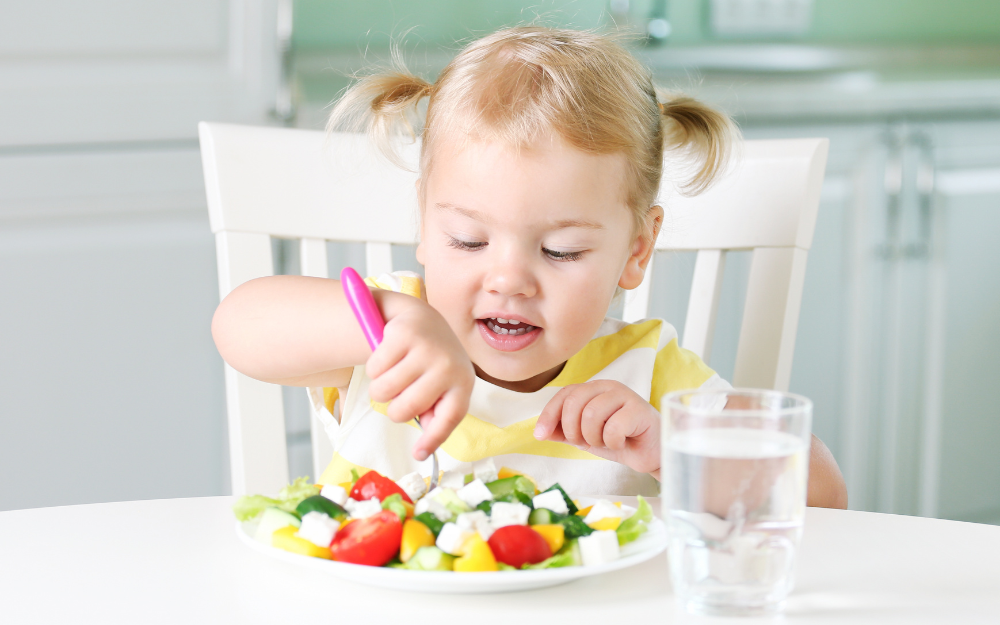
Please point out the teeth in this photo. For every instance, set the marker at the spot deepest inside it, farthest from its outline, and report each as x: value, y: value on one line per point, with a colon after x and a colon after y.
x: 513, y: 331
x: 514, y: 322
x: 501, y: 320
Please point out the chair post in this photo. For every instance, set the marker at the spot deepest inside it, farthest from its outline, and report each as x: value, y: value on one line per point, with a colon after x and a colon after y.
x: 703, y: 305
x: 257, y: 454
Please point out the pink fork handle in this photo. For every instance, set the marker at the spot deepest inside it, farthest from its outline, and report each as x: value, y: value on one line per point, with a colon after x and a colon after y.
x: 363, y: 305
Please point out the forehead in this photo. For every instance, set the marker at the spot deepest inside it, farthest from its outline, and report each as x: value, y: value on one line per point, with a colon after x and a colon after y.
x: 546, y: 174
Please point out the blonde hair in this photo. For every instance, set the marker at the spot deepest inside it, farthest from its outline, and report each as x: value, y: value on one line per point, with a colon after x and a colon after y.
x: 520, y: 83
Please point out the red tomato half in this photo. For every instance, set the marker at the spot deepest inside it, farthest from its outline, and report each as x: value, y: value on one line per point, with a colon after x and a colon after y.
x: 518, y: 545
x: 374, y: 484
x: 372, y: 541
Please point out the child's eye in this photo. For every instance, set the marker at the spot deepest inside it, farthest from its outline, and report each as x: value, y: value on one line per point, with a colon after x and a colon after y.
x: 470, y: 246
x: 563, y: 256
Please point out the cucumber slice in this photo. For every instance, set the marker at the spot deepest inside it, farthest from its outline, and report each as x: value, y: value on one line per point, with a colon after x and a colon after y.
x: 274, y: 519
x: 574, y: 526
x: 544, y: 516
x: 431, y: 559
x: 318, y: 503
x: 508, y: 485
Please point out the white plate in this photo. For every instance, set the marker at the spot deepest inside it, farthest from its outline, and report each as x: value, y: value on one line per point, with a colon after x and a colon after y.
x: 649, y: 545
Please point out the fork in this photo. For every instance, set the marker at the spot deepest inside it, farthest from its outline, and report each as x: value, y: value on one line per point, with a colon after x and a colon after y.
x: 372, y: 326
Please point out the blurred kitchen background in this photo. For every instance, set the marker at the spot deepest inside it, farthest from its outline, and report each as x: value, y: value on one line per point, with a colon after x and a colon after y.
x: 112, y: 388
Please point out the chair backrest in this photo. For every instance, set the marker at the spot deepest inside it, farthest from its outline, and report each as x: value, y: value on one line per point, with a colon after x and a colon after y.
x: 307, y: 185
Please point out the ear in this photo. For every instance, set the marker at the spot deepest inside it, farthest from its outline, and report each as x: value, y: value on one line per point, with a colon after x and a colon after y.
x: 642, y: 250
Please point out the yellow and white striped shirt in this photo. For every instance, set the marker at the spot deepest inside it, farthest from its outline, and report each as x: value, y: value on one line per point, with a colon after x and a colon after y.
x: 644, y: 356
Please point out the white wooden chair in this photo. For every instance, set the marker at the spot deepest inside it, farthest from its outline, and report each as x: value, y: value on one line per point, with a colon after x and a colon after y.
x: 263, y: 182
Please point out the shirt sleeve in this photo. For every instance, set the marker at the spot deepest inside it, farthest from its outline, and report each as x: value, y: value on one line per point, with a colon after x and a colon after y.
x: 676, y: 368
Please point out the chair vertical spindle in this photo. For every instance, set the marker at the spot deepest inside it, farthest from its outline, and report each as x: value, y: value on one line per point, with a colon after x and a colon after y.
x: 314, y: 263
x: 378, y: 258
x: 770, y: 318
x: 703, y: 305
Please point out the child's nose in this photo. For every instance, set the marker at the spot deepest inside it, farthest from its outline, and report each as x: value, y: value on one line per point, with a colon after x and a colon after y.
x: 510, y: 278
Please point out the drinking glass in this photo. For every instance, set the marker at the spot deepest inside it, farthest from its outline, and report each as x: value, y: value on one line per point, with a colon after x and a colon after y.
x: 735, y: 469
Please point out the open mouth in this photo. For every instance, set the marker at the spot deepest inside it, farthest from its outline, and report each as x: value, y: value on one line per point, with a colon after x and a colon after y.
x: 501, y: 326
x: 507, y: 335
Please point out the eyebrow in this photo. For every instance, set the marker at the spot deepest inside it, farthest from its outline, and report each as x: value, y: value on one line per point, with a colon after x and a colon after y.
x: 481, y: 217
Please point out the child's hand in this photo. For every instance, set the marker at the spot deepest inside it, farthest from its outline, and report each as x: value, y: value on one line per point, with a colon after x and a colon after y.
x: 607, y: 419
x: 422, y: 368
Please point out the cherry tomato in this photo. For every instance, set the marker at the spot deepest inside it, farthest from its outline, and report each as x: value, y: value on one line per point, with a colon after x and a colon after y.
x: 374, y: 484
x: 372, y: 541
x: 517, y: 545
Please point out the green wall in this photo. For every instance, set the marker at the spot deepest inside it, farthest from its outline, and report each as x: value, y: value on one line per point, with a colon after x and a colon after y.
x: 326, y: 24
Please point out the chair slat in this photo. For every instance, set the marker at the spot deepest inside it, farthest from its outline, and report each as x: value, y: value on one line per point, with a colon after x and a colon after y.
x: 703, y: 305
x: 770, y: 318
x: 378, y: 258
x: 637, y: 300
x: 257, y: 454
x: 313, y: 261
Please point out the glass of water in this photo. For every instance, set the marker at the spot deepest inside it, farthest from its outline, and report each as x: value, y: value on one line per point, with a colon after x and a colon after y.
x: 735, y: 469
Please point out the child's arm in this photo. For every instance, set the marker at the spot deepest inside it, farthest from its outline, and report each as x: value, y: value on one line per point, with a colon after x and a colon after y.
x: 610, y: 420
x: 300, y: 331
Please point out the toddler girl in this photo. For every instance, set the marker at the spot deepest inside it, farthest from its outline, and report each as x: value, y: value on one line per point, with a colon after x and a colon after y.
x: 541, y: 158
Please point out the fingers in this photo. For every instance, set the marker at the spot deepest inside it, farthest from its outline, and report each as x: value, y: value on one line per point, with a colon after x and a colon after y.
x: 565, y: 410
x: 385, y: 357
x: 395, y: 379
x: 417, y: 398
x: 596, y: 414
x: 438, y: 423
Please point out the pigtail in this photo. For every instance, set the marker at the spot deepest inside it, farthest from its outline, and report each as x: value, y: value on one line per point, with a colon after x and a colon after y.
x: 384, y: 106
x: 703, y: 135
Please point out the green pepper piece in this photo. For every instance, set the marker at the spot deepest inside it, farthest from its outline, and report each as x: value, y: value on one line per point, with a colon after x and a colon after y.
x: 516, y: 483
x: 433, y: 523
x: 318, y: 503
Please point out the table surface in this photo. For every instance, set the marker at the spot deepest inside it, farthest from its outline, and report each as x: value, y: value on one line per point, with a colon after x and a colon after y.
x: 179, y: 561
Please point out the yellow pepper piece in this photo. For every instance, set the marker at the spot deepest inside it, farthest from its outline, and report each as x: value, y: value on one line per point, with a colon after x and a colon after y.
x: 607, y: 523
x: 286, y: 539
x: 415, y: 536
x: 553, y: 534
x: 409, y: 509
x: 584, y: 511
x: 477, y: 557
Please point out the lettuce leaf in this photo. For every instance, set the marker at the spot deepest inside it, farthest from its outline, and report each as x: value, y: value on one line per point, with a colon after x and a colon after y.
x: 569, y: 555
x: 394, y: 502
x: 636, y: 525
x: 249, y: 506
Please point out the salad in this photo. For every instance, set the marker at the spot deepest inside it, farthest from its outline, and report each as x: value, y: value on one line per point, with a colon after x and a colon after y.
x: 483, y: 520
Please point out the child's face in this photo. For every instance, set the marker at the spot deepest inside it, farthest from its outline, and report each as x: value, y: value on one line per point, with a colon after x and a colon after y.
x: 541, y: 238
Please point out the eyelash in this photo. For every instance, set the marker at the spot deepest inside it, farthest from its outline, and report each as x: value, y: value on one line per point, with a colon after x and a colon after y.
x: 473, y: 246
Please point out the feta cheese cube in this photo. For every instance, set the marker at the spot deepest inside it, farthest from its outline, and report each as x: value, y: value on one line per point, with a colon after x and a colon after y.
x: 454, y: 479
x: 603, y: 509
x: 552, y: 500
x: 468, y: 520
x: 474, y: 493
x: 334, y: 493
x: 451, y: 539
x: 503, y: 514
x: 364, y: 509
x: 318, y: 528
x: 599, y: 548
x: 413, y: 485
x: 485, y: 470
x: 476, y: 521
x: 435, y: 507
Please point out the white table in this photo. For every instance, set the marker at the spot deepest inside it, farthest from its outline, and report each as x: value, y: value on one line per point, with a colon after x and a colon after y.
x: 179, y: 561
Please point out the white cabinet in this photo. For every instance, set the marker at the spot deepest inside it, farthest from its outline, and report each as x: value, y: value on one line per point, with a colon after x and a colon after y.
x: 112, y: 388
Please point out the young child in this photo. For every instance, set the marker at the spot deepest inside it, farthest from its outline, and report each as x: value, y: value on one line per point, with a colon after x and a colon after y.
x: 540, y: 164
